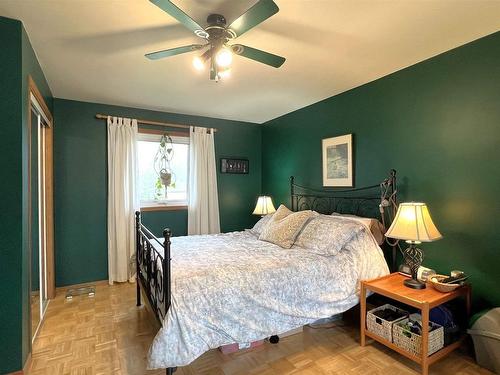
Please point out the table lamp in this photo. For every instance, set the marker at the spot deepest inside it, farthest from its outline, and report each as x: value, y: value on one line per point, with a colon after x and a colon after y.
x: 264, y: 206
x: 413, y: 223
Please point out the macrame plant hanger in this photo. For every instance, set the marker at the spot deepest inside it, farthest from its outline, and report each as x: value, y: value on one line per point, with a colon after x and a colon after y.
x: 162, y: 160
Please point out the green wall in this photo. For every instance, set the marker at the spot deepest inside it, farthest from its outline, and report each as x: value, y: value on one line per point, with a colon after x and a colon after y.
x: 17, y: 61
x: 438, y: 124
x: 81, y: 190
x: 30, y: 67
x: 156, y: 221
x: 11, y: 236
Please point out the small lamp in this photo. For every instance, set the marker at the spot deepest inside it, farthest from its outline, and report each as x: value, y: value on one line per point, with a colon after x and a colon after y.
x: 264, y: 206
x: 413, y: 223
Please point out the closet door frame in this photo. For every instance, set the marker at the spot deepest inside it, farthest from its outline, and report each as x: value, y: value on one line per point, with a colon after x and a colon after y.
x: 48, y: 188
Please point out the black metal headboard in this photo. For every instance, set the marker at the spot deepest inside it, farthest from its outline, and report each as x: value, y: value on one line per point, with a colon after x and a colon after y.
x: 375, y: 201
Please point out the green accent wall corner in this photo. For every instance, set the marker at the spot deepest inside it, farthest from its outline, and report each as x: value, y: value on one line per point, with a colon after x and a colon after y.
x: 438, y: 124
x: 11, y: 230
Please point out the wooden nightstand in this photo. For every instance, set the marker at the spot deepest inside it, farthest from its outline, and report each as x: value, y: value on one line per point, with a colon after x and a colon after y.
x: 391, y: 286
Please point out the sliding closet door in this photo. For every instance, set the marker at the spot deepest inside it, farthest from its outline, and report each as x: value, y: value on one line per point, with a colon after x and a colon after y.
x: 41, y: 220
x: 34, y: 225
x: 42, y: 212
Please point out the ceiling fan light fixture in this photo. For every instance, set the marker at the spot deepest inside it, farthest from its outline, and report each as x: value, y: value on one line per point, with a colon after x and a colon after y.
x: 198, y: 63
x: 224, y: 74
x: 224, y: 57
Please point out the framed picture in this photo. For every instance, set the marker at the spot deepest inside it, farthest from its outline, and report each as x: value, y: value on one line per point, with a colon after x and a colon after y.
x: 337, y: 161
x: 235, y: 166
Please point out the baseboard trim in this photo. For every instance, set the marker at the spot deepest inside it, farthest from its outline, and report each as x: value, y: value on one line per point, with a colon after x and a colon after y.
x: 97, y: 282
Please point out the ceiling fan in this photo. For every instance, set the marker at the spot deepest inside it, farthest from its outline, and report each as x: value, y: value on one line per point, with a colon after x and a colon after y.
x: 218, y: 53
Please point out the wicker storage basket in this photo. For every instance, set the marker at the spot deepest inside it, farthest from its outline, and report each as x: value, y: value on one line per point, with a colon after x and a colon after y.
x: 412, y: 342
x: 379, y: 326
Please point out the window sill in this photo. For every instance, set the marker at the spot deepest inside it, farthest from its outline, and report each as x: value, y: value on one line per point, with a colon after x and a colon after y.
x: 160, y: 207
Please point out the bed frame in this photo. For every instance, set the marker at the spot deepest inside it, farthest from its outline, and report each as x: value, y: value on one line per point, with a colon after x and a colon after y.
x: 153, y: 271
x: 375, y: 201
x: 153, y: 267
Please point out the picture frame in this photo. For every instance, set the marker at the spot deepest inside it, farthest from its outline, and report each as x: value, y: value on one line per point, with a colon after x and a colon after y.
x: 234, y: 166
x: 337, y: 161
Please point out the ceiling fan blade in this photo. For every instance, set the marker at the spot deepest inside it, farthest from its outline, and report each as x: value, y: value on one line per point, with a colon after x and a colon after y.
x: 260, y: 12
x: 169, y: 7
x: 258, y: 55
x: 173, y: 51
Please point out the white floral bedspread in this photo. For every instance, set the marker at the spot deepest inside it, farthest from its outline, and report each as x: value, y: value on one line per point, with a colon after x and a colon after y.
x: 232, y: 287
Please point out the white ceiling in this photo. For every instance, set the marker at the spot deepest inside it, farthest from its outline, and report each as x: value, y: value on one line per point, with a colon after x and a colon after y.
x: 93, y: 50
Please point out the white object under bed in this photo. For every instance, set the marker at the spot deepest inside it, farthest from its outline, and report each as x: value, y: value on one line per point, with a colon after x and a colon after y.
x: 233, y: 287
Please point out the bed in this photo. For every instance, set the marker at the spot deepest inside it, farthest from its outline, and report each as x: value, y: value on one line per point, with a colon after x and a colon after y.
x: 212, y: 290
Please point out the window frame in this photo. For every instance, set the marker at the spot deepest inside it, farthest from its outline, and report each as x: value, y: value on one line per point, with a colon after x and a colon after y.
x: 153, y: 135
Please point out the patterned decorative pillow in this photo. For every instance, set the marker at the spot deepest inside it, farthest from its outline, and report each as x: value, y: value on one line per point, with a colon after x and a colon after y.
x: 282, y: 212
x: 284, y: 226
x: 327, y: 235
x: 261, y: 224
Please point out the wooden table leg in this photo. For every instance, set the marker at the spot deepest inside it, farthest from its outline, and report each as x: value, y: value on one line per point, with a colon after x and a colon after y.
x: 362, y: 302
x: 468, y: 296
x: 425, y: 339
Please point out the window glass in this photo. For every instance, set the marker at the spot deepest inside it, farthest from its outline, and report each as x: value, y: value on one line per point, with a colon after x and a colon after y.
x: 151, y: 190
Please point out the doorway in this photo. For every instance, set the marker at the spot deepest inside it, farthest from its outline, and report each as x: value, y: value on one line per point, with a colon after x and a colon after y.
x: 41, y: 222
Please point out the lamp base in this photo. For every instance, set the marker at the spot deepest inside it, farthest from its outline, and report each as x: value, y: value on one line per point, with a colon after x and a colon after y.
x: 414, y: 284
x: 412, y: 258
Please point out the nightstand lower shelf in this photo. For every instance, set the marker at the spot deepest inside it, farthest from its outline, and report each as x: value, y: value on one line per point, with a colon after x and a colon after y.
x: 431, y: 359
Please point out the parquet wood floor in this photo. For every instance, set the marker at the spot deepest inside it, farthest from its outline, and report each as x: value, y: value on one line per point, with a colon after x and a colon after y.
x: 108, y: 334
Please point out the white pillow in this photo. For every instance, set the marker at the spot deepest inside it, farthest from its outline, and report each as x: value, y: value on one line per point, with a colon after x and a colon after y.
x: 261, y: 224
x: 376, y: 228
x: 327, y: 235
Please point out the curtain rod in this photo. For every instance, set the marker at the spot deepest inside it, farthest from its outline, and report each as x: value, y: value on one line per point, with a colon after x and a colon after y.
x: 149, y: 122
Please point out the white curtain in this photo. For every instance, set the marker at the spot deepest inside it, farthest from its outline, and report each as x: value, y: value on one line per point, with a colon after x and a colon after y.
x: 203, y: 207
x: 122, y: 197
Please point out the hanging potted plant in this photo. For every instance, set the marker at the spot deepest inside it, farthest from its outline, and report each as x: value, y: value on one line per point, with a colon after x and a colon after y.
x: 162, y: 165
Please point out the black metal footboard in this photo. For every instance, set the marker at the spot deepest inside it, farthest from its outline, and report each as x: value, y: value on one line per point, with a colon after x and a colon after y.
x: 153, y: 270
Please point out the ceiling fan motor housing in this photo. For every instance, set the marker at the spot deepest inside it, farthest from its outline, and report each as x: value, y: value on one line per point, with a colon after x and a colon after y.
x: 216, y: 20
x: 217, y: 31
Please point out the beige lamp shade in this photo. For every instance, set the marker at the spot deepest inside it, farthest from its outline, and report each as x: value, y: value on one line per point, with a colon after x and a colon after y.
x: 264, y: 206
x: 413, y: 222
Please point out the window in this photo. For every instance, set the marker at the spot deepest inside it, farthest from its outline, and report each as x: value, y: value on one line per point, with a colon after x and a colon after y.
x: 151, y: 190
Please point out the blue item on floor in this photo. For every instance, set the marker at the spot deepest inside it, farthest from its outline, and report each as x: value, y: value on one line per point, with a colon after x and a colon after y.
x: 444, y: 317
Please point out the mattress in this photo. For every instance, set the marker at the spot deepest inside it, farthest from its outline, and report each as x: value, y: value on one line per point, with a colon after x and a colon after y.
x: 234, y: 287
